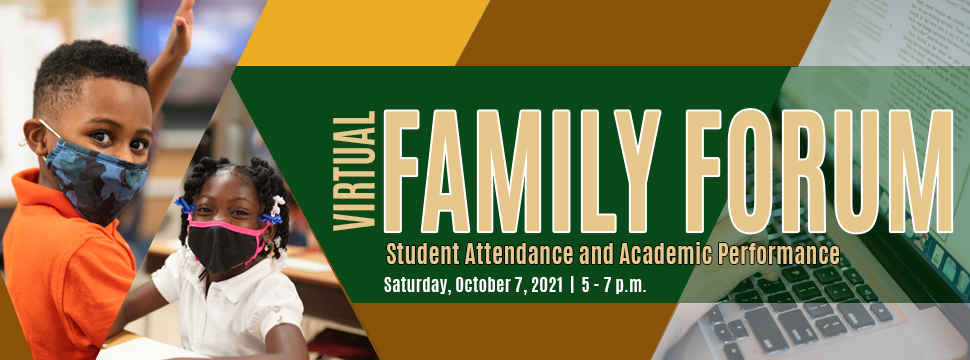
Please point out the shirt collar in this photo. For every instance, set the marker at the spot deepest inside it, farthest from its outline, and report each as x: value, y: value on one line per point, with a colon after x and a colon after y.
x: 241, y: 284
x: 31, y: 193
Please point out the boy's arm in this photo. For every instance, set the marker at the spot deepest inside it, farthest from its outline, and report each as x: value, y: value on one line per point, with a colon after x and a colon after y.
x: 96, y: 279
x: 162, y: 72
x: 138, y: 303
x: 283, y: 342
x: 163, y: 288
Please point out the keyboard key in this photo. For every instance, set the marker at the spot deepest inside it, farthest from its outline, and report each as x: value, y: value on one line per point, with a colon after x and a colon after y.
x: 831, y: 326
x: 743, y: 286
x: 818, y: 309
x: 856, y: 315
x: 723, y: 334
x: 766, y: 331
x: 853, y: 276
x: 772, y: 232
x: 866, y: 293
x: 724, y: 299
x: 826, y: 242
x: 795, y: 274
x: 827, y: 275
x: 844, y: 262
x: 782, y: 302
x: 715, y: 316
x: 803, y: 242
x: 776, y: 213
x: 797, y: 327
x: 806, y: 290
x: 771, y: 287
x: 749, y: 300
x: 733, y: 352
x: 878, y: 309
x: 816, y: 266
x: 852, y: 300
x: 799, y: 237
x: 839, y: 292
x: 738, y: 330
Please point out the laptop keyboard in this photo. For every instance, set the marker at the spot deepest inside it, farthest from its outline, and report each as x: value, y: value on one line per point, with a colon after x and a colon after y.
x: 802, y: 307
x: 806, y: 305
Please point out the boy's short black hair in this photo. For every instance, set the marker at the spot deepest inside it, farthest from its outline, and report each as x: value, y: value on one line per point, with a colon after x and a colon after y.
x: 62, y: 71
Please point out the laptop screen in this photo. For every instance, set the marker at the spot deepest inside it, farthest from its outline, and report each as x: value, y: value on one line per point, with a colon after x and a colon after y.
x: 896, y: 55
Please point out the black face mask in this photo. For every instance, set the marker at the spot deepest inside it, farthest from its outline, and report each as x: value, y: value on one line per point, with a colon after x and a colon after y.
x: 221, y: 247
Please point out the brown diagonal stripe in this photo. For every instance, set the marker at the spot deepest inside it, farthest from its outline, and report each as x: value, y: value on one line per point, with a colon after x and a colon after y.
x: 514, y: 331
x: 12, y: 339
x: 668, y: 33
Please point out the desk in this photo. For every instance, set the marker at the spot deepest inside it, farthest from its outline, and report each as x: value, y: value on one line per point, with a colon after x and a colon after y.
x: 321, y: 293
x: 122, y: 337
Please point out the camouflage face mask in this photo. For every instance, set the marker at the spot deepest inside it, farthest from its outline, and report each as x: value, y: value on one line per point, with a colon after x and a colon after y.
x: 99, y: 185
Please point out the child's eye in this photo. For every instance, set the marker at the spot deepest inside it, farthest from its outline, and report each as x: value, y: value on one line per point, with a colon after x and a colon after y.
x: 240, y: 213
x: 139, y: 145
x: 203, y: 210
x: 102, y: 137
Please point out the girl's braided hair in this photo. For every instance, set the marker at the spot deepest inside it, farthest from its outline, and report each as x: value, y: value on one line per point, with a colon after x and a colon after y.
x: 265, y: 180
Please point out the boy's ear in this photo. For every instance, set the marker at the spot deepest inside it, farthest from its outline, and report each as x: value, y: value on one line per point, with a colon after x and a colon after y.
x: 36, y: 135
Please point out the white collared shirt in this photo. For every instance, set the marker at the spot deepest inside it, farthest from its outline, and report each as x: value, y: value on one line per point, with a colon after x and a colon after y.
x: 238, y: 313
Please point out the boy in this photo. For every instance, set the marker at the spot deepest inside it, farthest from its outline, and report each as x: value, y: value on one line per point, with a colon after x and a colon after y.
x: 67, y: 268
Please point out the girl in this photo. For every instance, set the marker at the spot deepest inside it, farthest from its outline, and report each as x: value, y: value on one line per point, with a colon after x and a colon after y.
x: 234, y: 301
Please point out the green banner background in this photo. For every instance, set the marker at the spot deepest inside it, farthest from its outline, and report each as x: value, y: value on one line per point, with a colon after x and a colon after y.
x: 293, y: 108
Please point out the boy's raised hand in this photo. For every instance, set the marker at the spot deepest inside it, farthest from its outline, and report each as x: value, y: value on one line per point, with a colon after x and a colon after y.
x: 162, y: 73
x: 180, y: 37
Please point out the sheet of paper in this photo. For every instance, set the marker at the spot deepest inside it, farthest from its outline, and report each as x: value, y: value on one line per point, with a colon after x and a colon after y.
x: 145, y: 349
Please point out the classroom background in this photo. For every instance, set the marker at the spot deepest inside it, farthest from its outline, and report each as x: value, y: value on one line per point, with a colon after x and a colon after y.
x: 30, y: 29
x: 330, y: 325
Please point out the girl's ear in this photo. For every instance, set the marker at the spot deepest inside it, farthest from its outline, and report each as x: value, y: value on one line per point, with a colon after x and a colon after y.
x: 269, y: 234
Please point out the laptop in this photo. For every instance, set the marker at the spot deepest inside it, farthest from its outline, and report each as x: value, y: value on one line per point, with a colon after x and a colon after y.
x: 894, y: 296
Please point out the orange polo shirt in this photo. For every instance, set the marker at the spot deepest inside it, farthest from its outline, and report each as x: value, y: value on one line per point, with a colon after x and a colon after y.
x: 67, y: 277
